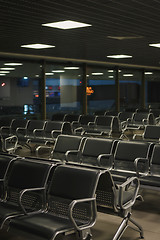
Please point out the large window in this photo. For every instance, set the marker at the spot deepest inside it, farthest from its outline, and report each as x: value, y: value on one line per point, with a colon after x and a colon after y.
x: 19, y: 89
x: 63, y: 89
x: 130, y: 88
x: 100, y: 89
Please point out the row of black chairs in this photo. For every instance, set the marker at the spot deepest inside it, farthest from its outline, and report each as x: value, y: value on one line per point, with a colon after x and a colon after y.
x: 42, y: 199
x: 122, y: 158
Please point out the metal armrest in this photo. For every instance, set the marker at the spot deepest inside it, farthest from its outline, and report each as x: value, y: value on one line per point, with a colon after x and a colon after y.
x: 12, y: 139
x: 141, y: 166
x: 105, y: 160
x: 38, y: 132
x: 76, y: 153
x: 91, y: 124
x: 21, y: 131
x: 55, y: 133
x: 31, y: 190
x: 92, y: 220
x: 43, y: 147
x: 145, y: 121
x: 137, y: 136
x: 124, y: 188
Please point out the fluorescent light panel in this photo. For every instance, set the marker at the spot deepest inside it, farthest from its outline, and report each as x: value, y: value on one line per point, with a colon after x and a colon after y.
x: 37, y: 46
x: 2, y: 74
x: 128, y: 75
x: 13, y: 64
x: 68, y: 24
x: 148, y: 73
x: 4, y: 71
x: 71, y: 68
x: 119, y: 56
x: 7, y: 69
x: 48, y: 74
x: 58, y: 71
x: 97, y: 73
x: 155, y: 45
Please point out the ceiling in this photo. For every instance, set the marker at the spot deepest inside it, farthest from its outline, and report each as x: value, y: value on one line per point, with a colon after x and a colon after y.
x: 118, y: 27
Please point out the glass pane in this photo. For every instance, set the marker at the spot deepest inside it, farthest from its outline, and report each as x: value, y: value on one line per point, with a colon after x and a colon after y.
x: 63, y: 89
x: 100, y: 89
x: 19, y: 89
x: 130, y: 88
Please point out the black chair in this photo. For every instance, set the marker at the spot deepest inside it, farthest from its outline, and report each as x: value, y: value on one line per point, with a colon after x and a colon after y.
x: 71, y: 117
x: 118, y: 201
x: 131, y: 158
x: 50, y: 132
x: 151, y: 134
x: 82, y: 123
x: 25, y: 189
x: 62, y: 144
x: 152, y: 180
x: 95, y: 152
x: 71, y: 206
x: 100, y: 127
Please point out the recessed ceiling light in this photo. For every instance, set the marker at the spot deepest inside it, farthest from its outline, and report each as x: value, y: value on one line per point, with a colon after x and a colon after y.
x: 97, y: 73
x: 4, y: 71
x: 148, y: 73
x: 71, y: 68
x: 48, y: 74
x: 13, y: 64
x: 111, y: 76
x: 128, y: 75
x: 37, y: 46
x: 119, y: 56
x: 37, y: 75
x: 58, y: 71
x: 155, y: 45
x: 2, y: 74
x: 68, y: 24
x: 7, y: 69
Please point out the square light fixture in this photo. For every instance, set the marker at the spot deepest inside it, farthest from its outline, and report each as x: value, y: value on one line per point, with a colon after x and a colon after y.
x: 13, y: 64
x: 71, y: 68
x: 37, y: 46
x: 97, y: 73
x: 128, y: 75
x: 119, y: 56
x: 155, y: 45
x: 68, y: 24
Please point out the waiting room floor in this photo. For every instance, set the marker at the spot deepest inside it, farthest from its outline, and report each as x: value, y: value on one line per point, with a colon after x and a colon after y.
x: 146, y: 213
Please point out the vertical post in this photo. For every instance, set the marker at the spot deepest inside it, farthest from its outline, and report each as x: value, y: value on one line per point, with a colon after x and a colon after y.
x: 117, y: 90
x: 84, y: 87
x: 43, y: 92
x: 142, y: 99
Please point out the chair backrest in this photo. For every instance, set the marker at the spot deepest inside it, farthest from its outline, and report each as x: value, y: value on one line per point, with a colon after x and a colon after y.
x: 93, y: 147
x: 155, y: 161
x: 35, y: 124
x: 57, y: 117
x: 71, y: 183
x: 139, y: 116
x: 123, y: 116
x: 71, y: 117
x: 127, y: 151
x: 85, y: 119
x: 65, y: 143
x: 103, y: 121
x: 16, y: 123
x: 26, y: 174
x: 152, y: 132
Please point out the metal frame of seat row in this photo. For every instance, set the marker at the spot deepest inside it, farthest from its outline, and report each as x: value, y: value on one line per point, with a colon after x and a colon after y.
x: 25, y: 187
x: 151, y: 134
x: 152, y: 180
x: 71, y: 206
x: 118, y: 200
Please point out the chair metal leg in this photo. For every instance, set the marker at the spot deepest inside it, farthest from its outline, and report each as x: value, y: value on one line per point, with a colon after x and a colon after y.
x: 139, y: 228
x: 123, y: 226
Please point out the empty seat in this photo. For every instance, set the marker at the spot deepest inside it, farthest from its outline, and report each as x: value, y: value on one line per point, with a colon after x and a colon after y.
x: 62, y: 144
x: 25, y: 189
x: 151, y: 134
x: 95, y: 152
x: 71, y: 206
x: 131, y: 158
